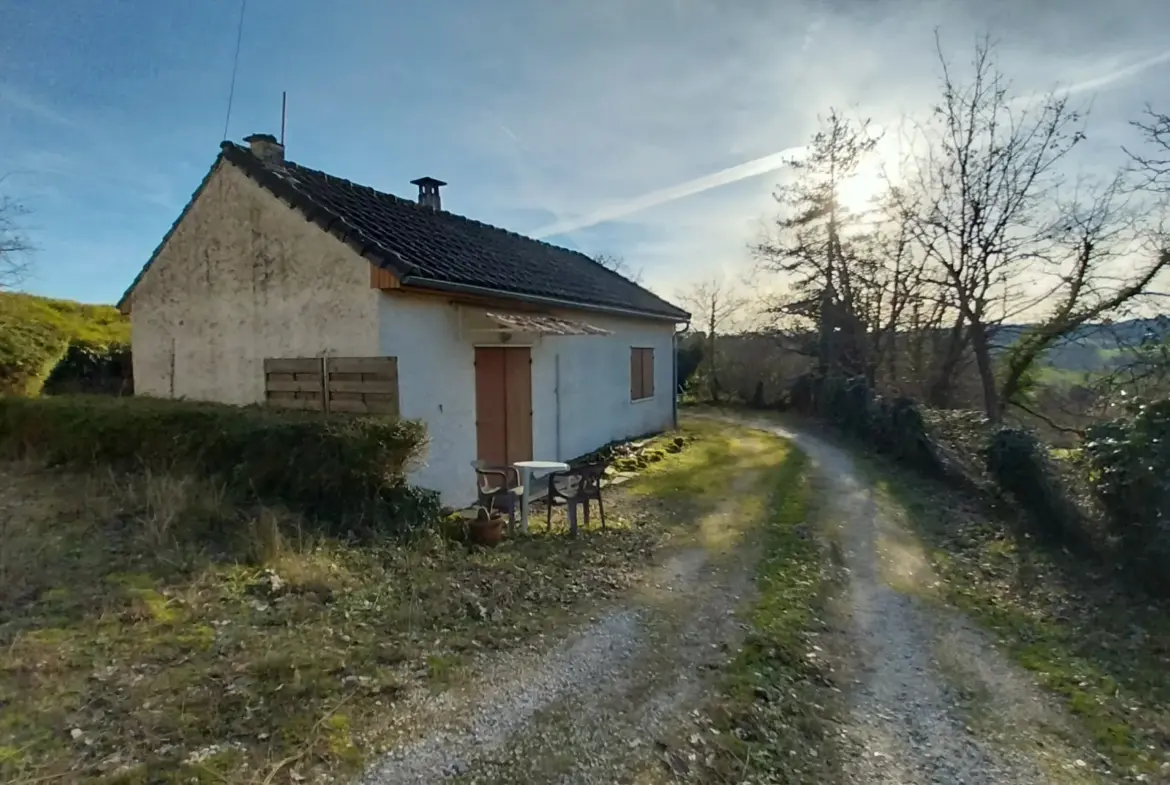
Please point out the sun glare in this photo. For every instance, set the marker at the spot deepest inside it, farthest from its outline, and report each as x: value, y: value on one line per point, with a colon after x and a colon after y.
x: 860, y: 193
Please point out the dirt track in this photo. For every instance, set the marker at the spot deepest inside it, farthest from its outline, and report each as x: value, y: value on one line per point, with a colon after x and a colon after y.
x: 590, y: 708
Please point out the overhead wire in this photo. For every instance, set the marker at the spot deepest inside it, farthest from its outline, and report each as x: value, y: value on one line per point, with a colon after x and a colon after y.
x: 235, y: 67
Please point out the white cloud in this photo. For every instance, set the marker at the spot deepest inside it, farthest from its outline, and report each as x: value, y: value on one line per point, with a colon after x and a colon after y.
x: 654, y: 124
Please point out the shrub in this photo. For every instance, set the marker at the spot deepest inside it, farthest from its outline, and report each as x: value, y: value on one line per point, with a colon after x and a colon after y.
x: 802, y: 394
x: 347, y: 473
x: 856, y: 398
x: 1019, y: 464
x: 86, y: 368
x: 1130, y: 468
x: 908, y: 433
x: 893, y: 427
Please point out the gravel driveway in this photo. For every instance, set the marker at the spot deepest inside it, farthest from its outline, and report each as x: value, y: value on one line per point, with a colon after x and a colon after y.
x: 592, y: 707
x: 913, y: 660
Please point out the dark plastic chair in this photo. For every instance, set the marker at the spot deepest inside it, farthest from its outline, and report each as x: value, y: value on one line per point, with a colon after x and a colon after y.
x: 576, y: 487
x: 498, y: 488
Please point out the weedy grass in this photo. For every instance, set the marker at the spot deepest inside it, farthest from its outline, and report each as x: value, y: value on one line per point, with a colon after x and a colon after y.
x: 130, y: 653
x: 775, y: 716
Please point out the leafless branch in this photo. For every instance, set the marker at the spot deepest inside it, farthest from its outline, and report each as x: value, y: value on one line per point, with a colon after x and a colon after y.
x: 14, y: 246
x: 620, y: 266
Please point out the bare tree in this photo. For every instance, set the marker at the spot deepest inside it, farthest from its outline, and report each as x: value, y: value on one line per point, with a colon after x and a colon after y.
x: 715, y: 306
x: 982, y: 179
x: 1154, y: 161
x: 14, y: 247
x: 620, y: 266
x: 1092, y: 241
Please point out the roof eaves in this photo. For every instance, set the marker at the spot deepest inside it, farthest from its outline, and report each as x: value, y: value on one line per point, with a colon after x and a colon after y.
x: 673, y: 314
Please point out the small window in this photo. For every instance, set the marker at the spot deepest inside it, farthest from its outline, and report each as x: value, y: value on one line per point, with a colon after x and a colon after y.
x: 641, y: 374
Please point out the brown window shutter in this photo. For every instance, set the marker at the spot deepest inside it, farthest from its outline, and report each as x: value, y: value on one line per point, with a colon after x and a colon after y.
x: 647, y: 373
x: 635, y: 373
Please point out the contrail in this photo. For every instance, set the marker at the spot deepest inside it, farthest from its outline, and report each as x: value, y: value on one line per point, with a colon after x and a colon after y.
x: 774, y: 161
x: 753, y: 168
x: 1118, y: 75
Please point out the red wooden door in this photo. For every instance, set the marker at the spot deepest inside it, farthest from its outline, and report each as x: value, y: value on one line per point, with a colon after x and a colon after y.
x: 503, y: 404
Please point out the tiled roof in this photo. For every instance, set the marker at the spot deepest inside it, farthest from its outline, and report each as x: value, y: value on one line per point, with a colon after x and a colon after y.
x: 421, y: 245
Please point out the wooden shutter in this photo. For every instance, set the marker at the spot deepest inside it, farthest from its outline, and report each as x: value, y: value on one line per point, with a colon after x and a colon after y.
x: 635, y: 374
x: 647, y: 373
x: 641, y: 373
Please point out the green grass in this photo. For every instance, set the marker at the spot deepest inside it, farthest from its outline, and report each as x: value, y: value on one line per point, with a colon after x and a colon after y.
x: 776, y: 711
x: 705, y: 470
x: 36, y: 331
x: 1103, y: 652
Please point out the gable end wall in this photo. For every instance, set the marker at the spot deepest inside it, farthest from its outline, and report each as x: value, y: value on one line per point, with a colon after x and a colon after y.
x: 244, y: 277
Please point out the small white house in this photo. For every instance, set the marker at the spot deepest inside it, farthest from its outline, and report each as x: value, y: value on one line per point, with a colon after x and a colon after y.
x: 508, y: 348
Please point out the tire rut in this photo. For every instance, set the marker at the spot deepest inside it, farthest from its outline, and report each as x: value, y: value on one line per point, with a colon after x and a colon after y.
x: 590, y: 708
x: 907, y: 722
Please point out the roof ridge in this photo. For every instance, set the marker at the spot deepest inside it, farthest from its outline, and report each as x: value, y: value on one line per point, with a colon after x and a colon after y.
x: 309, y: 189
x: 414, y: 204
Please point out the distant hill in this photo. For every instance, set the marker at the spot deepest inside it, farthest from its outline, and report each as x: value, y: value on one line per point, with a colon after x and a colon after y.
x: 1094, y: 348
x: 37, y: 332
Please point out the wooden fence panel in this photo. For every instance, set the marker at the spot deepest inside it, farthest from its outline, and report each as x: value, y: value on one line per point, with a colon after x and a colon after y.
x: 364, y: 385
x: 292, y: 365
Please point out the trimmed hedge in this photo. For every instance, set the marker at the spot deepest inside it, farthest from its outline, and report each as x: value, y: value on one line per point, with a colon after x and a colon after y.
x: 88, y: 369
x: 347, y: 473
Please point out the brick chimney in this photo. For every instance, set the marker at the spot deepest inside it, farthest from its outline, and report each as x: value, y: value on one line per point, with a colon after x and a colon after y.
x: 266, y: 148
x: 428, y: 192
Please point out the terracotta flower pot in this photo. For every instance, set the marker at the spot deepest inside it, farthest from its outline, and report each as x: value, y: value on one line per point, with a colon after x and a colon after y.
x: 488, y: 531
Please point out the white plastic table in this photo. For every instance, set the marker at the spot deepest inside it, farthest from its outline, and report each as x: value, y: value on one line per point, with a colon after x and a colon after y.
x: 526, y: 468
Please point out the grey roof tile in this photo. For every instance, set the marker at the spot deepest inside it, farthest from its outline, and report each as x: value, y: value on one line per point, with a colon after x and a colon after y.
x: 420, y: 244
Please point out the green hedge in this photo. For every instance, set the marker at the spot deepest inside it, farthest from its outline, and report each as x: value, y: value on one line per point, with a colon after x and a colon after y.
x: 347, y: 473
x: 892, y: 426
x: 1019, y: 464
x: 1130, y: 470
x: 89, y: 369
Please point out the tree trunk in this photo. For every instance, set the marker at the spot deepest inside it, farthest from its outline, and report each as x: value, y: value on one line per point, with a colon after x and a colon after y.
x: 941, y: 387
x: 712, y: 382
x: 982, y: 347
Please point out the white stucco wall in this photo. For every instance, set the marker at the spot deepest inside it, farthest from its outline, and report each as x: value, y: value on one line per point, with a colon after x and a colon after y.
x: 244, y: 277
x: 595, y: 405
x: 436, y: 378
x: 436, y: 384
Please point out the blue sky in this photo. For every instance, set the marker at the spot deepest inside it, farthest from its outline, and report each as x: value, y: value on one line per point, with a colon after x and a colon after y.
x: 644, y: 128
